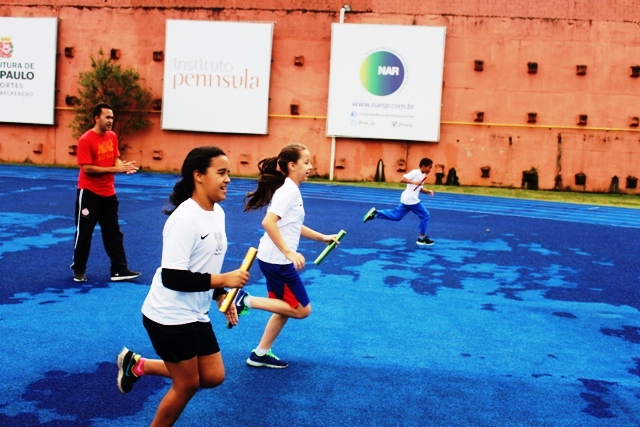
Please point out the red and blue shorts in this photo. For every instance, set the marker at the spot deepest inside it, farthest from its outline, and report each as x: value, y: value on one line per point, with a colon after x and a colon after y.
x: 283, y: 282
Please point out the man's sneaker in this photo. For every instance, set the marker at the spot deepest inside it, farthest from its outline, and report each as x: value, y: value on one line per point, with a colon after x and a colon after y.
x: 370, y: 215
x: 79, y: 277
x: 269, y: 360
x: 425, y: 241
x: 126, y: 361
x: 241, y: 307
x: 125, y: 274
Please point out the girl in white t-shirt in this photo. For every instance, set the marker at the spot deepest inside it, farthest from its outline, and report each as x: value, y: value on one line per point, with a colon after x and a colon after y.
x: 176, y: 310
x: 278, y: 188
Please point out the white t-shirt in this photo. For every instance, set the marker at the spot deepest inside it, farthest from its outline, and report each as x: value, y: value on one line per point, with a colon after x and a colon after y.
x: 411, y: 194
x: 287, y: 204
x: 192, y: 239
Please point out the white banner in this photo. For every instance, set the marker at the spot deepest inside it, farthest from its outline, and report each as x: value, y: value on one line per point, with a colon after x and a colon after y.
x: 28, y: 48
x: 216, y: 76
x: 386, y: 81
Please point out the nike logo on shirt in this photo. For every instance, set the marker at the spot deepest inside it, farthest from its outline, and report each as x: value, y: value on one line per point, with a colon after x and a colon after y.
x: 204, y: 237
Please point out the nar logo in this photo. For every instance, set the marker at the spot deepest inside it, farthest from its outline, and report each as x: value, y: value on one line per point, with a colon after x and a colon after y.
x: 388, y: 71
x: 382, y: 73
x: 6, y: 47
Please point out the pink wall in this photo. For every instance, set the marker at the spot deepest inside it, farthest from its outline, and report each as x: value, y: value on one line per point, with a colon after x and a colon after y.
x: 506, y: 35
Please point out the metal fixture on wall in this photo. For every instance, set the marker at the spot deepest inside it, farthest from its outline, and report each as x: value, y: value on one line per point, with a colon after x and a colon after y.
x: 70, y: 100
x: 582, y: 119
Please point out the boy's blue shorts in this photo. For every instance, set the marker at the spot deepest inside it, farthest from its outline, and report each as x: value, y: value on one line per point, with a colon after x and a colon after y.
x: 283, y: 282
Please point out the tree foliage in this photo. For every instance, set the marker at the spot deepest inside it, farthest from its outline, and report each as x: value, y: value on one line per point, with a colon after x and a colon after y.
x: 109, y: 82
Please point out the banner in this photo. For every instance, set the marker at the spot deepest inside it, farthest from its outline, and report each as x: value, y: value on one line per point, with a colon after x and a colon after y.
x: 385, y: 81
x: 216, y: 76
x: 28, y: 48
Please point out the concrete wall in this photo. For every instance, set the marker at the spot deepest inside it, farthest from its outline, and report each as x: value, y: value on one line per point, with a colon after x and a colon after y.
x: 505, y: 35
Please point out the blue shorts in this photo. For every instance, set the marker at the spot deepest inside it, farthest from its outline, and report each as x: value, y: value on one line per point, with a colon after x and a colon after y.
x: 175, y: 343
x: 283, y: 282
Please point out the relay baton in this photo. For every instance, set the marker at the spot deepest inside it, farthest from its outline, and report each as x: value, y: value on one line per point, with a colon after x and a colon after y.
x: 419, y: 185
x: 329, y: 248
x: 245, y: 266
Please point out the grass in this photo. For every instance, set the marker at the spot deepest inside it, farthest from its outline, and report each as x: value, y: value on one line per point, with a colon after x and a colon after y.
x: 598, y: 199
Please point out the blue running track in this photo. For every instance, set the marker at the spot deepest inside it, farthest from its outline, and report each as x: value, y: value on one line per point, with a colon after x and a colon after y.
x: 523, y: 313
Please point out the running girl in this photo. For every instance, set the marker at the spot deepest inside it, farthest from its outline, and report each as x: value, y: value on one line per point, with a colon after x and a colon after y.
x: 175, y: 312
x: 278, y: 187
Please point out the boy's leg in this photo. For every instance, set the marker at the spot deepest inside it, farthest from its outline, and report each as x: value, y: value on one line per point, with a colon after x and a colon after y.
x: 424, y: 216
x: 393, y: 214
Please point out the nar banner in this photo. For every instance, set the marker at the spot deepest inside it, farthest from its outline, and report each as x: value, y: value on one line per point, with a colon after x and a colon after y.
x: 216, y: 76
x: 386, y: 81
x: 28, y: 49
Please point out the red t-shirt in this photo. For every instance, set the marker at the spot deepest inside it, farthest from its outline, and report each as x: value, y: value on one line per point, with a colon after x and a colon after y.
x: 97, y: 150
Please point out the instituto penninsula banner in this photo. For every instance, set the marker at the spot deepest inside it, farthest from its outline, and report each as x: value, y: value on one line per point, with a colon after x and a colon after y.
x: 28, y: 49
x: 386, y: 81
x: 216, y: 76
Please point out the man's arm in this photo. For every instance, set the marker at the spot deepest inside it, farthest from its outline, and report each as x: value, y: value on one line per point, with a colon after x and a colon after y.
x: 118, y: 167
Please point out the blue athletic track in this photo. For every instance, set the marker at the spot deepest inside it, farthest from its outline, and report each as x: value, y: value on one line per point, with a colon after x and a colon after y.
x: 523, y: 313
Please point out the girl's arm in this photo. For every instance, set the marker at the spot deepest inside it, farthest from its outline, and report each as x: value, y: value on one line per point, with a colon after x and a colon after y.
x: 308, y: 233
x: 270, y: 224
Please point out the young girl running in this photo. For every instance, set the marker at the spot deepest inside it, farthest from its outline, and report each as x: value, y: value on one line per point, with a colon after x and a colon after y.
x: 278, y: 187
x: 175, y: 312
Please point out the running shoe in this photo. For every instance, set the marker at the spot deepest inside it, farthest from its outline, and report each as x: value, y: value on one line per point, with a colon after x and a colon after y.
x: 269, y: 360
x: 424, y: 241
x: 127, y: 359
x: 371, y: 214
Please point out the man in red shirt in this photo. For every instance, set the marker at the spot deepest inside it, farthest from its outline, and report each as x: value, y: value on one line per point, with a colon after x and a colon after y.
x: 96, y: 201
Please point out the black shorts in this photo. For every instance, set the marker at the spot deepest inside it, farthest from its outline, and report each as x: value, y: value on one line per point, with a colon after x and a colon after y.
x: 175, y: 343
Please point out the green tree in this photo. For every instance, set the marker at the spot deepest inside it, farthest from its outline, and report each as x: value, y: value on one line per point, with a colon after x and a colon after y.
x: 109, y: 82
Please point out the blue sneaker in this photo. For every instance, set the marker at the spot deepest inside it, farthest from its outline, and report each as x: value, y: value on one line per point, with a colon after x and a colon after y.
x: 269, y: 360
x: 126, y: 361
x: 371, y: 214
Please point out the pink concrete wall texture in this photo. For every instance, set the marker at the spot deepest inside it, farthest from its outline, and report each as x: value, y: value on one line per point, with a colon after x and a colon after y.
x: 528, y: 120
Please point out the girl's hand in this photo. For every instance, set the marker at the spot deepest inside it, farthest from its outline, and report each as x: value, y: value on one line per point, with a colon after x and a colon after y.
x: 232, y: 315
x: 296, y: 258
x: 330, y: 238
x: 236, y: 278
